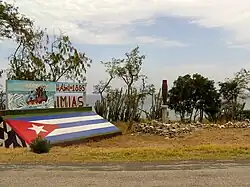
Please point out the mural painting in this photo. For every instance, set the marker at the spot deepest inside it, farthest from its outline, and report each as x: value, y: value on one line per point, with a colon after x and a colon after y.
x: 29, y: 94
x: 36, y: 95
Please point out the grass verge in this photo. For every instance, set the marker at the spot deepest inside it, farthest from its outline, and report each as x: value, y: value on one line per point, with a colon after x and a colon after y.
x: 82, y: 154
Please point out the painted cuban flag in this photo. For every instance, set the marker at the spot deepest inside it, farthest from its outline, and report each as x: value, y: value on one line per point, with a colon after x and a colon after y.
x: 62, y: 127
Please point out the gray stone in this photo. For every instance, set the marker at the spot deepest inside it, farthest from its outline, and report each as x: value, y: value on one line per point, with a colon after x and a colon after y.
x: 172, y: 130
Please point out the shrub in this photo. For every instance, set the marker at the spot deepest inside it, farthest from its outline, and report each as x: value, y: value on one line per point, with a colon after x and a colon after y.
x: 245, y: 114
x: 40, y: 145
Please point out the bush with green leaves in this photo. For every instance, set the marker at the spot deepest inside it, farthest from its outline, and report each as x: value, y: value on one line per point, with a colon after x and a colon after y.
x: 40, y: 145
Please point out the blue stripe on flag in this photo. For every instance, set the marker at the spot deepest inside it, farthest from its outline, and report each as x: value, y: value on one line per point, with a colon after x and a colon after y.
x: 83, y: 134
x: 81, y: 123
x: 56, y: 116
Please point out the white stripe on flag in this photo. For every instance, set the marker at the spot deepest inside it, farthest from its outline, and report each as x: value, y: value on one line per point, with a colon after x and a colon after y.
x: 68, y: 120
x: 61, y: 131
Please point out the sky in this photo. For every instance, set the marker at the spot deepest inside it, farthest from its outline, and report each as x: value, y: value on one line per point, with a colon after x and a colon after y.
x: 210, y: 37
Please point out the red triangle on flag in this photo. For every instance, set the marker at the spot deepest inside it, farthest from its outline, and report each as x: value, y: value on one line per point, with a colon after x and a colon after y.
x: 29, y: 130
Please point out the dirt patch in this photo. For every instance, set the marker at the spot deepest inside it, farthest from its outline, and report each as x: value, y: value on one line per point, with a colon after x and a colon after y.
x: 205, y: 136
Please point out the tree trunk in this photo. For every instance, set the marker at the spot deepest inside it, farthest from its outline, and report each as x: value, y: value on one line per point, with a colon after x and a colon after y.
x: 195, y: 115
x: 201, y: 115
x: 182, y: 115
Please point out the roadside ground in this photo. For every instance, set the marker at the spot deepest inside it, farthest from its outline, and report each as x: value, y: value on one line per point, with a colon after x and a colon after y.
x: 207, y: 144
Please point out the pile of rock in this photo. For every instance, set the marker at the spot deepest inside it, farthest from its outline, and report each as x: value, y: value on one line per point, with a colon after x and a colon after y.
x: 239, y: 124
x: 163, y: 129
x: 172, y: 130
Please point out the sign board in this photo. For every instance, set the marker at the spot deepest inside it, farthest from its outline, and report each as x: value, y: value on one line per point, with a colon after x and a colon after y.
x: 70, y: 95
x: 29, y: 94
x: 40, y: 94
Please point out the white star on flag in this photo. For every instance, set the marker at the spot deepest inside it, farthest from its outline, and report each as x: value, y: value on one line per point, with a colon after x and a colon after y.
x: 38, y: 129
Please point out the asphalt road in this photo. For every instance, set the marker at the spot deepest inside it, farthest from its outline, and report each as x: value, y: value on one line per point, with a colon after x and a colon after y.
x: 214, y: 174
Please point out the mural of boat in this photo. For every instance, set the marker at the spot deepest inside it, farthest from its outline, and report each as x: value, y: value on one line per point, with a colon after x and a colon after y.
x: 37, y: 96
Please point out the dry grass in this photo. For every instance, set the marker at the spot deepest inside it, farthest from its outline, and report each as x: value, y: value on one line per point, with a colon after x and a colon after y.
x: 205, y: 144
x: 83, y: 154
x: 214, y: 136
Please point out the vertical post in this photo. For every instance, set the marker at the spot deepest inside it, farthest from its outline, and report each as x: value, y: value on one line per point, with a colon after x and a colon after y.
x: 85, y: 95
x: 164, y: 101
x: 6, y: 96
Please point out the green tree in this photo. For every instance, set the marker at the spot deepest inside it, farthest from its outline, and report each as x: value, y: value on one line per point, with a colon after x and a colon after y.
x: 212, y: 107
x: 128, y: 69
x: 180, y: 96
x: 14, y: 25
x: 49, y: 60
x: 205, y: 98
x: 234, y: 92
x: 193, y: 96
x: 66, y: 61
x: 126, y: 104
x: 105, y: 86
x: 231, y: 106
x: 25, y: 62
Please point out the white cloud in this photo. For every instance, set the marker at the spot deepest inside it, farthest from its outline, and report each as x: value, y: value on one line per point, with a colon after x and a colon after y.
x: 159, y: 41
x: 111, y: 22
x: 93, y: 22
x: 114, y: 16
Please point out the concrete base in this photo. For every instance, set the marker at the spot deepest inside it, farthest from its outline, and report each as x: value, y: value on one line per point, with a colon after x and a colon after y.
x: 165, y: 118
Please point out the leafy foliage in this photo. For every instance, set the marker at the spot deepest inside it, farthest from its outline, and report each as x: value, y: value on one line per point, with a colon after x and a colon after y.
x: 196, y: 95
x: 105, y: 85
x: 234, y: 92
x: 48, y: 60
x: 205, y: 98
x: 193, y: 95
x: 40, y: 145
x: 64, y: 60
x: 24, y: 63
x: 126, y: 104
x: 14, y: 25
x: 180, y: 96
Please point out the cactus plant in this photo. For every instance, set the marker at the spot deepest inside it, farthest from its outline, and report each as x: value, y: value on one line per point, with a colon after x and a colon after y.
x: 118, y: 105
